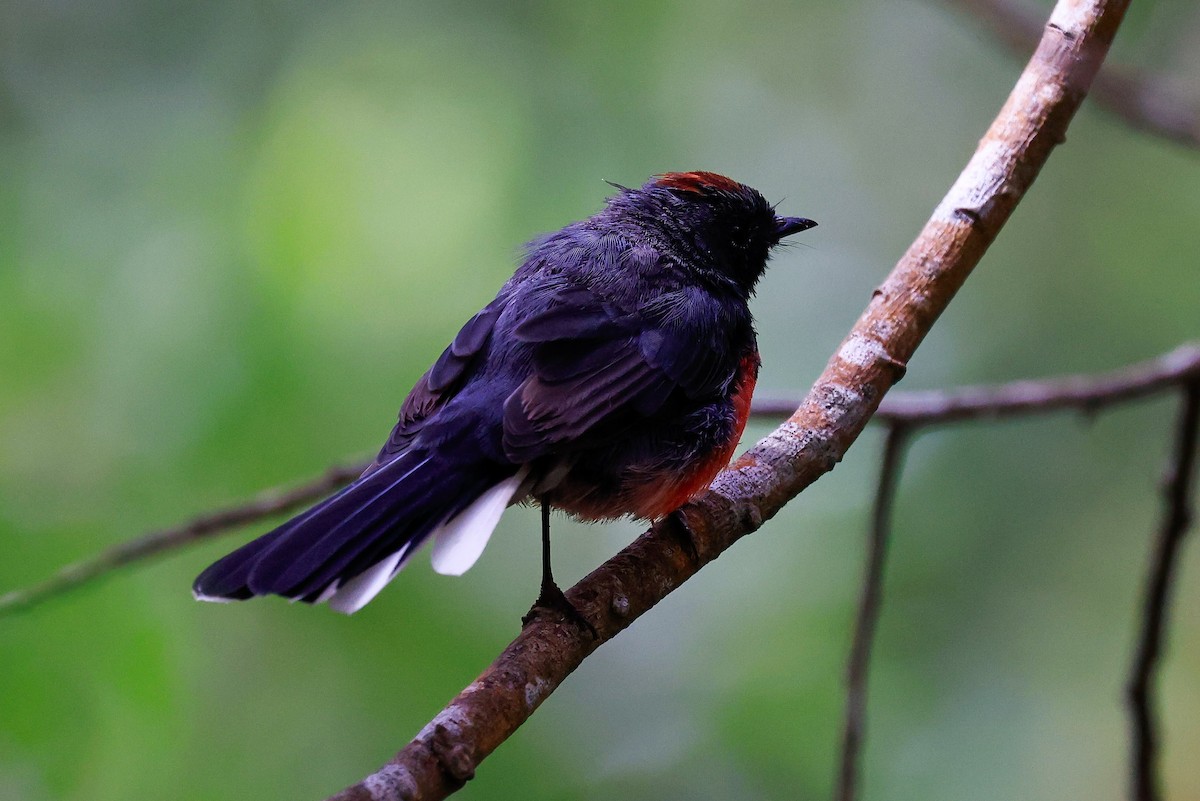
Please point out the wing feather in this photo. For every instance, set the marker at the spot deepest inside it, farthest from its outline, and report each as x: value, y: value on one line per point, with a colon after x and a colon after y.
x: 597, y: 369
x: 443, y: 380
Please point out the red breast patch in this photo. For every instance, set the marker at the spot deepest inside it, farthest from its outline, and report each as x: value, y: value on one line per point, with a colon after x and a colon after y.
x: 668, y: 494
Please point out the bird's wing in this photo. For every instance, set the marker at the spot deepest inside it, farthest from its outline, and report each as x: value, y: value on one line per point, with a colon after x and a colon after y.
x: 597, y: 369
x: 443, y: 380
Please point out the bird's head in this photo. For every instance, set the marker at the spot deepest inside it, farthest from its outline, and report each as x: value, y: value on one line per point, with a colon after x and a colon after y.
x: 715, y: 224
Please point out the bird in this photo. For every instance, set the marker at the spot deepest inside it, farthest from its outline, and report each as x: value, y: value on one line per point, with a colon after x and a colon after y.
x: 610, y: 377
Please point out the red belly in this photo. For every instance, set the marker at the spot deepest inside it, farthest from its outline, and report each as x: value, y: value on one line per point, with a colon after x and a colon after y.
x: 668, y: 493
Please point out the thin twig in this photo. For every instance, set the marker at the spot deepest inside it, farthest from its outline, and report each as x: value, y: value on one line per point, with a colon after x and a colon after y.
x: 1176, y: 518
x: 266, y: 504
x: 869, y: 604
x: 1087, y: 393
x: 1145, y: 102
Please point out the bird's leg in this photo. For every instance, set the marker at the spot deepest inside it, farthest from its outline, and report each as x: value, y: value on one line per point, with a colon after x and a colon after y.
x: 549, y: 586
x: 551, y: 597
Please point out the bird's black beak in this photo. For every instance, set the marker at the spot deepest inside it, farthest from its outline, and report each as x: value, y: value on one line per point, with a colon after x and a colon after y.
x: 786, y: 226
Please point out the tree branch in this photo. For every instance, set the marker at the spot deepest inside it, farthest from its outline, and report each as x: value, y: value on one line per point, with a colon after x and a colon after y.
x: 1084, y: 393
x: 1176, y: 518
x: 447, y: 751
x: 266, y: 504
x: 869, y: 603
x: 1143, y: 101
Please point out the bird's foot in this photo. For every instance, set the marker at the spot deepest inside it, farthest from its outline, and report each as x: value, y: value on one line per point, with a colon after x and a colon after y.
x: 678, y: 526
x: 551, y: 599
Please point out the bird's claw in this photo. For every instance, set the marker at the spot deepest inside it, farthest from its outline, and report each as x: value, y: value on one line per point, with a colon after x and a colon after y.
x: 552, y: 599
x: 679, y: 527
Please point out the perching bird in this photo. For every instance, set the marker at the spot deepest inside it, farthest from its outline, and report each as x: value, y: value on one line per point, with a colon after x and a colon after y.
x: 610, y: 377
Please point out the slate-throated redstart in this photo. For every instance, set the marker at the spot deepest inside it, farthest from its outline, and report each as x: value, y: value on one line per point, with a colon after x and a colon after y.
x: 611, y: 376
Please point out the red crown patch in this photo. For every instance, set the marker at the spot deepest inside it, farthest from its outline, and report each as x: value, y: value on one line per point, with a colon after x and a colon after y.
x: 698, y: 181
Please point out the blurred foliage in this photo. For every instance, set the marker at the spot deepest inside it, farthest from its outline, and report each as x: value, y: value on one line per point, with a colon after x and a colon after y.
x: 233, y: 234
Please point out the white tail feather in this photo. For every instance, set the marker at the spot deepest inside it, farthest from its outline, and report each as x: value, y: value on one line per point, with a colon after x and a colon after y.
x: 459, y: 541
x: 328, y: 592
x: 212, y: 599
x: 358, y: 591
x: 457, y: 544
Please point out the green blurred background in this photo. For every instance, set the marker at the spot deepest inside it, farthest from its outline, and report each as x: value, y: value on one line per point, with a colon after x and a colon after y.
x: 233, y: 234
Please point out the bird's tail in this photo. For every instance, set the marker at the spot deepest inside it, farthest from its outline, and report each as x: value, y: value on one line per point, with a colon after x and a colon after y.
x: 348, y: 547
